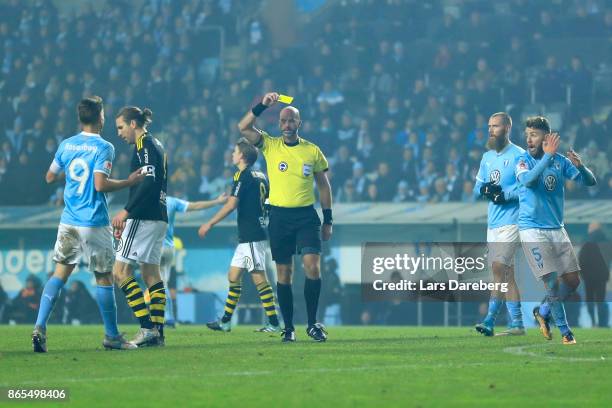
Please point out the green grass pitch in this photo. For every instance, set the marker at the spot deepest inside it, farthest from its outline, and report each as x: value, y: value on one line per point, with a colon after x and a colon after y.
x: 358, y: 366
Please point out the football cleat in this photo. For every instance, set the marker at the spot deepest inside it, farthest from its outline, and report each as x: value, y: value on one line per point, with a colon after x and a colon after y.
x: 512, y: 331
x: 288, y: 335
x: 268, y: 328
x: 317, y: 332
x: 39, y: 340
x: 161, y: 341
x: 117, y: 343
x: 568, y: 339
x: 146, y: 337
x: 219, y: 325
x: 484, y: 329
x: 543, y: 323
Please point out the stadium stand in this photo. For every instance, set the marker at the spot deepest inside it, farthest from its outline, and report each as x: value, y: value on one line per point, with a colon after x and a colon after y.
x: 398, y: 105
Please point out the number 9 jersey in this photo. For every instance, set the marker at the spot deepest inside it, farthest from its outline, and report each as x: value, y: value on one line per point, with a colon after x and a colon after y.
x: 81, y: 156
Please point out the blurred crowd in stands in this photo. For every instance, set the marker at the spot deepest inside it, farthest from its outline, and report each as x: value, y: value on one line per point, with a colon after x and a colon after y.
x: 397, y: 93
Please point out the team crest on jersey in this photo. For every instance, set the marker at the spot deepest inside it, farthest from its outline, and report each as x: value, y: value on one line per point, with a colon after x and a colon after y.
x: 495, y: 177
x: 506, y: 162
x: 550, y: 182
x: 283, y: 166
x: 522, y: 165
x: 557, y: 165
x: 118, y: 244
x: 307, y: 170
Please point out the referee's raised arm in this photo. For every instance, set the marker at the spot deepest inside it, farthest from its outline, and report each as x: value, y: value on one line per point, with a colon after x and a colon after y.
x: 246, y: 124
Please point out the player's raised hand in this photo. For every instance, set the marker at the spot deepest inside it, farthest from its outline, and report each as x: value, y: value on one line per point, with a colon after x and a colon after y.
x: 551, y: 143
x: 326, y: 232
x: 136, y: 177
x: 574, y: 158
x: 270, y: 99
x: 203, y: 230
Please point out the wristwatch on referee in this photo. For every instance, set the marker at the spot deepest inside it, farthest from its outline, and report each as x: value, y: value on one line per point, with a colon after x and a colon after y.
x: 327, y: 216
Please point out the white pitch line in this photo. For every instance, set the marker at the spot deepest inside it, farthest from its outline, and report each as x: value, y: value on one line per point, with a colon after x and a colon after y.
x: 522, y: 351
x: 516, y: 350
x: 245, y: 373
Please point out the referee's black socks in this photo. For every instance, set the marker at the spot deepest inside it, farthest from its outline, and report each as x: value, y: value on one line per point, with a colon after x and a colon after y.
x: 285, y: 302
x: 312, y: 290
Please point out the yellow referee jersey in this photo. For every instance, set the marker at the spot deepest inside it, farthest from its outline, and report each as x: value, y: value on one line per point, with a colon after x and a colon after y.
x: 291, y: 170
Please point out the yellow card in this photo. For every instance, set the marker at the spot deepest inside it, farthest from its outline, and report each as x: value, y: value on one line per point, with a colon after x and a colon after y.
x: 285, y: 99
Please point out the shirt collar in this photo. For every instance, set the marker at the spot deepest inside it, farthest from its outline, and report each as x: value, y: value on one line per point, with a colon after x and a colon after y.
x: 504, y: 149
x: 89, y: 134
x: 297, y: 142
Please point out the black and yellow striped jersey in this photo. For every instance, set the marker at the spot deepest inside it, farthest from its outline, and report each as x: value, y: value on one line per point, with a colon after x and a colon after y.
x: 251, y: 189
x: 147, y: 200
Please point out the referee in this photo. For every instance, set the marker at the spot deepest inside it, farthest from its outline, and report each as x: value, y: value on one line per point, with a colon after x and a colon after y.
x: 294, y: 227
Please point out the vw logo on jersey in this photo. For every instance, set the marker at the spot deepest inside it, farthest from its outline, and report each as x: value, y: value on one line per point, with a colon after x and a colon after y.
x: 550, y: 182
x: 495, y: 177
x: 283, y: 166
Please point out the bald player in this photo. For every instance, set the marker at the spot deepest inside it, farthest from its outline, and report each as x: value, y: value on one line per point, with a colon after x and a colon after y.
x: 294, y: 165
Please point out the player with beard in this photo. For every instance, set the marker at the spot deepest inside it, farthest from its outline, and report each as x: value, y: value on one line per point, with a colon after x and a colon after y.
x: 496, y: 181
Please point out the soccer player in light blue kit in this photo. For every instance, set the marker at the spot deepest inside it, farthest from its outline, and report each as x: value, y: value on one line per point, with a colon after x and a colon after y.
x: 175, y: 205
x: 541, y: 173
x: 496, y: 181
x: 85, y: 160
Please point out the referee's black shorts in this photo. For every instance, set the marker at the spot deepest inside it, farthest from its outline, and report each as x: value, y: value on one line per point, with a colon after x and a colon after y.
x: 293, y: 230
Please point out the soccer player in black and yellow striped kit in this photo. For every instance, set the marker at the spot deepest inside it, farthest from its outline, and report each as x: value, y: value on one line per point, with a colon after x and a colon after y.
x: 294, y: 165
x: 249, y: 193
x: 141, y: 226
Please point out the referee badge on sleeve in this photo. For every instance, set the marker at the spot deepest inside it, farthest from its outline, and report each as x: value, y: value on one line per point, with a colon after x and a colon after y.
x: 307, y: 169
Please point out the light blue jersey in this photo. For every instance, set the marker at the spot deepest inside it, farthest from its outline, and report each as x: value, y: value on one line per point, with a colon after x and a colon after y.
x: 499, y: 168
x: 81, y: 156
x: 174, y: 205
x: 542, y: 190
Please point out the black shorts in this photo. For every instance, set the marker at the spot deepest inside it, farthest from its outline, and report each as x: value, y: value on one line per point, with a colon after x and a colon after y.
x: 294, y: 230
